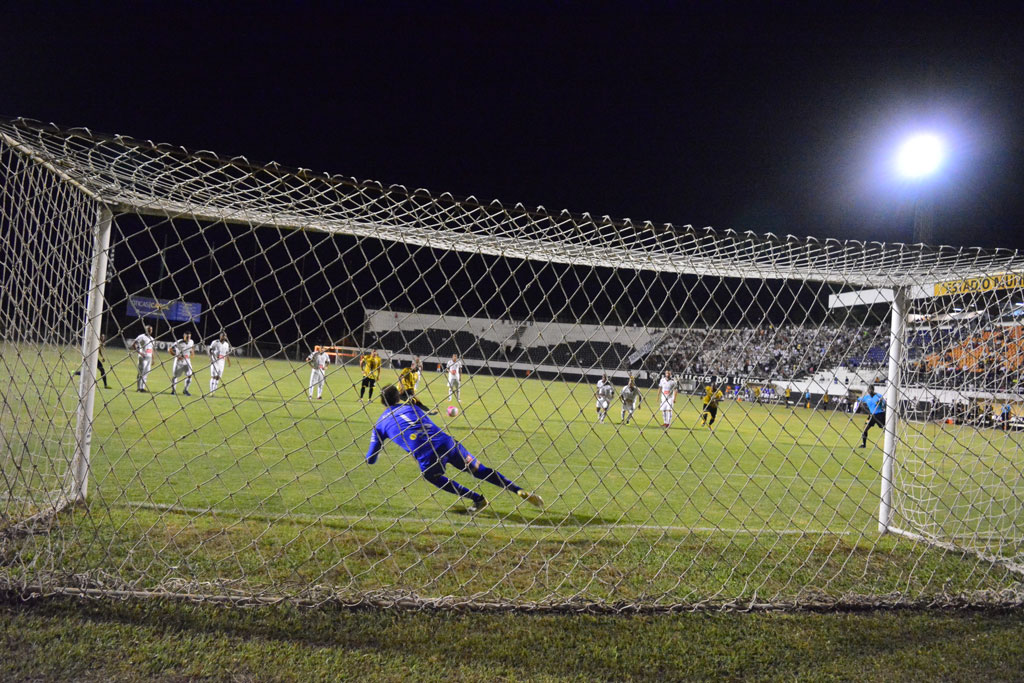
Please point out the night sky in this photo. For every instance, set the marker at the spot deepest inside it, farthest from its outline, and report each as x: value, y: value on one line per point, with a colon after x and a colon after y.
x: 728, y: 114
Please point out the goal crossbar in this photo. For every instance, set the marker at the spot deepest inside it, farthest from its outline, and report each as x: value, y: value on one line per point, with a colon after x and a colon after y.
x: 167, y: 181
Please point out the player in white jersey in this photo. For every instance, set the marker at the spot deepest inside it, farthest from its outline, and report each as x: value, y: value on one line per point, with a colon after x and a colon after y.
x: 630, y: 398
x: 667, y: 389
x: 417, y: 370
x: 219, y: 352
x: 318, y: 360
x: 182, y: 352
x: 143, y: 345
x: 454, y: 370
x: 605, y: 393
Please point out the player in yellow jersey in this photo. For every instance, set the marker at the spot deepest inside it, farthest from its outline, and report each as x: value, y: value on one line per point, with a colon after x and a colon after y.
x: 417, y: 368
x: 711, y: 399
x: 363, y: 360
x: 407, y: 379
x: 370, y: 365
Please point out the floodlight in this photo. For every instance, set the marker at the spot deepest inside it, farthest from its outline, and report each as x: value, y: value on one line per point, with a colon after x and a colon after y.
x: 920, y: 155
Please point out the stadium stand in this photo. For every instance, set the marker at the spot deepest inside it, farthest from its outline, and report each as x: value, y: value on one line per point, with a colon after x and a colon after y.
x: 498, y: 342
x: 981, y: 356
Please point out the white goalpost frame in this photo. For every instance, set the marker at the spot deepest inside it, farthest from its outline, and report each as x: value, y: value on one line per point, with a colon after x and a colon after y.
x: 79, y: 470
x: 897, y: 332
x: 900, y: 297
x: 225, y: 193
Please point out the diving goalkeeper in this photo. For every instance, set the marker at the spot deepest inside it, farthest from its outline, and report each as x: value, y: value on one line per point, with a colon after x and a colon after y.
x: 409, y: 427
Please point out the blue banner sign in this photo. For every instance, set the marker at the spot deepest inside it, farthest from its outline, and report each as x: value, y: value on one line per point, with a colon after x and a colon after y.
x: 164, y: 309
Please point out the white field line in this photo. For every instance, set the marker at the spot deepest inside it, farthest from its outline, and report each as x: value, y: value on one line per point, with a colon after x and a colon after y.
x: 299, y: 517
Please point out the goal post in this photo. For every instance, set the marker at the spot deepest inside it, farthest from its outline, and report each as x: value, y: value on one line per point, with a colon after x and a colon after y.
x: 344, y: 355
x: 79, y: 486
x: 893, y: 393
x: 679, y: 407
x: 945, y: 484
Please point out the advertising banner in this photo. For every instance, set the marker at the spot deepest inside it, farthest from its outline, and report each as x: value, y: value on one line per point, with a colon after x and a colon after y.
x: 164, y: 309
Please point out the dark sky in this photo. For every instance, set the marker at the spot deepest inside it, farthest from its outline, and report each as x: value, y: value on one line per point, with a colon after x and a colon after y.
x: 752, y: 116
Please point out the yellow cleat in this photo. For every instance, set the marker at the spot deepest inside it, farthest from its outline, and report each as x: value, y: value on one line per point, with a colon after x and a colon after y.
x: 531, y: 498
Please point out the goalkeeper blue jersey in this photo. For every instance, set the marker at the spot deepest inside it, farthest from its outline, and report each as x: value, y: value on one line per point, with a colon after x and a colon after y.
x: 875, y: 404
x: 409, y: 427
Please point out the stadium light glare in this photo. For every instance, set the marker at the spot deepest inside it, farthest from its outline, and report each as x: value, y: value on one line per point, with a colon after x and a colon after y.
x: 920, y: 155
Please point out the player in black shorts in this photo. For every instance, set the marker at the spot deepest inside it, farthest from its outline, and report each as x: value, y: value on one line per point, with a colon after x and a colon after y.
x: 876, y: 407
x: 711, y: 407
x: 101, y: 371
x: 370, y: 365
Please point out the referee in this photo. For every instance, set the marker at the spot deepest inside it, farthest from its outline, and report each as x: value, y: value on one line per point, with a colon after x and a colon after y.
x: 876, y: 410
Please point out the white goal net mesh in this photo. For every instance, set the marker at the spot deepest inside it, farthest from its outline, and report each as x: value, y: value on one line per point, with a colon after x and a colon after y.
x: 657, y: 417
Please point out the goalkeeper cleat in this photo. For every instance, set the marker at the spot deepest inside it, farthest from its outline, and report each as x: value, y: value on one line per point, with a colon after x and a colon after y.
x: 477, y: 505
x: 531, y: 498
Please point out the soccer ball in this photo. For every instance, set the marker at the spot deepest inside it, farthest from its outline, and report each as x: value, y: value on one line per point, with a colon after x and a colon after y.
x: 452, y: 411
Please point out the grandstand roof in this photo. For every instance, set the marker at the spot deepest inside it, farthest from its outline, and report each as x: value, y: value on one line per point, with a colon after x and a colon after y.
x: 143, y: 177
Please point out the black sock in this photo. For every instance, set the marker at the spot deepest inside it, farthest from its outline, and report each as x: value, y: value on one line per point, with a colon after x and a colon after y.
x: 496, y: 478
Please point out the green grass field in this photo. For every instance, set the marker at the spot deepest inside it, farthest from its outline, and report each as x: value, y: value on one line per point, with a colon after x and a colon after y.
x: 256, y: 489
x: 61, y: 639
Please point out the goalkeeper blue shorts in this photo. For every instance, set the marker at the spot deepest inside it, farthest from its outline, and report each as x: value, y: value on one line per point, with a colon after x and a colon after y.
x: 444, y: 450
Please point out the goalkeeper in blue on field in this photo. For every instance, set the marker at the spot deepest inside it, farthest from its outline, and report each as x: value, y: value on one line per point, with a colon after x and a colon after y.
x: 408, y: 426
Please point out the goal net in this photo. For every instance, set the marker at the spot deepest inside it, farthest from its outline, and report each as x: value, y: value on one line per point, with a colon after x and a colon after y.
x: 959, y: 476
x: 195, y: 350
